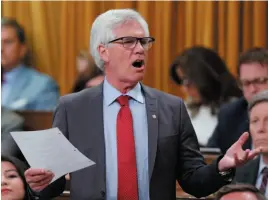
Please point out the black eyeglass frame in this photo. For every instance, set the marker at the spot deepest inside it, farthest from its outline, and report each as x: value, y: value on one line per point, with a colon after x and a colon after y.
x: 137, y: 40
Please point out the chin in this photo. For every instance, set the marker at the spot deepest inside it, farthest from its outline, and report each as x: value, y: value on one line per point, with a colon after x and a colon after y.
x: 138, y: 77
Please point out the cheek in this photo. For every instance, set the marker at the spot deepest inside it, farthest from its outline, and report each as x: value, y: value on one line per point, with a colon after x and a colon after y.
x: 17, y: 188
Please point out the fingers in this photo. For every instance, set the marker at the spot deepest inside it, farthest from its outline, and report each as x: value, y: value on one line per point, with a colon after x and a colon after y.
x: 254, y: 153
x: 241, y: 158
x: 243, y: 138
x: 38, y: 179
x: 31, y: 172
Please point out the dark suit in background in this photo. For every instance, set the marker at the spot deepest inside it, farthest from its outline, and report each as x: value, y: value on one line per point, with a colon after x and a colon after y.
x: 248, y: 173
x: 10, y: 121
x: 173, y: 148
x: 232, y: 123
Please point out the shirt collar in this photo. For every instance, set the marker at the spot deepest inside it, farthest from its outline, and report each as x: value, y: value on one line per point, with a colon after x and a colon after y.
x: 11, y: 75
x: 111, y: 94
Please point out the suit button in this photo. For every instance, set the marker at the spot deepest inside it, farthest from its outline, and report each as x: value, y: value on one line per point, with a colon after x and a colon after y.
x: 102, y: 193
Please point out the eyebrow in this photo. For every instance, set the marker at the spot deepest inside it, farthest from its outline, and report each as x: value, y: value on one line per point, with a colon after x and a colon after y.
x: 11, y: 170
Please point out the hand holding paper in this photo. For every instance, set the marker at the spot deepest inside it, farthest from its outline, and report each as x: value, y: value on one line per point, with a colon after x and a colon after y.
x: 49, y: 153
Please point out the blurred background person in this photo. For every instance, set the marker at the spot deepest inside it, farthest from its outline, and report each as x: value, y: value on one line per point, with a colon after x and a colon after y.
x: 23, y: 87
x: 10, y: 121
x: 13, y: 183
x: 233, y: 118
x: 88, y: 73
x: 255, y: 172
x: 239, y: 192
x: 208, y: 84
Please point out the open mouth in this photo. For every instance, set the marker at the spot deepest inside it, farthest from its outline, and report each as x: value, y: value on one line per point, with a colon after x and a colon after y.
x: 138, y: 63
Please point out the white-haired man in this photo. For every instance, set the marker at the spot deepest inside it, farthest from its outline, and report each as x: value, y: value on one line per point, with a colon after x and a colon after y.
x: 255, y: 172
x: 141, y: 139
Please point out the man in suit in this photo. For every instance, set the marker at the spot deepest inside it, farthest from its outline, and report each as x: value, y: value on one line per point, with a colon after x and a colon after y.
x: 255, y: 172
x: 141, y: 139
x: 233, y: 117
x: 23, y: 88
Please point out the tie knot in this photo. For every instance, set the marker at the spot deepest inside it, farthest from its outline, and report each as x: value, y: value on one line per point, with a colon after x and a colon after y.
x: 123, y: 100
x: 265, y: 171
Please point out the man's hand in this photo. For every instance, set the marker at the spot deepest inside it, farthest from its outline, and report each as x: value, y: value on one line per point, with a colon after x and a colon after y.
x: 38, y: 179
x: 236, y: 156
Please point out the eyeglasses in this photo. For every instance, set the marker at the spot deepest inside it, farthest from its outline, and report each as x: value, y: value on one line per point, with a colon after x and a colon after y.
x: 256, y: 82
x: 131, y: 42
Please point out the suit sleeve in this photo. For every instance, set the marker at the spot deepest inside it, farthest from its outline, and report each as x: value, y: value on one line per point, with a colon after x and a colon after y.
x: 194, y: 176
x: 57, y: 187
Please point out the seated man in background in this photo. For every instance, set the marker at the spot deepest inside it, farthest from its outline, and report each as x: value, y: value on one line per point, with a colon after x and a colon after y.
x: 239, y: 192
x: 255, y: 172
x: 23, y: 88
x: 233, y: 117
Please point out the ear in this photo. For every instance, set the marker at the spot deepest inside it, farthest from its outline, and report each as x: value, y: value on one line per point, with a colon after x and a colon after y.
x: 23, y: 50
x: 104, y: 52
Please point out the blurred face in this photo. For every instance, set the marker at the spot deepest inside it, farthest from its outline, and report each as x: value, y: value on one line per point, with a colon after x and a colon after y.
x: 12, y: 51
x: 240, y: 196
x: 82, y: 65
x: 253, y: 78
x: 12, y: 185
x: 119, y: 57
x: 189, y: 87
x: 258, y: 117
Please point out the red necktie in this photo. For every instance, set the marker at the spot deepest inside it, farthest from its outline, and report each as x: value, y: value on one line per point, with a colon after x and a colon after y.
x: 126, y: 155
x: 264, y: 180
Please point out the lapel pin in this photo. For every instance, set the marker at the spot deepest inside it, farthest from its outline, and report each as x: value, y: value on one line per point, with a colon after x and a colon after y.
x: 154, y: 116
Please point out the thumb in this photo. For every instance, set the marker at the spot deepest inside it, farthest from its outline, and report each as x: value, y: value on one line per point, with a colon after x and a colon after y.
x: 243, y: 138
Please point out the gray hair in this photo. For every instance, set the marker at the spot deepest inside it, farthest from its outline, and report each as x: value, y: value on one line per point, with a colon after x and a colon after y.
x: 258, y: 98
x: 103, y: 26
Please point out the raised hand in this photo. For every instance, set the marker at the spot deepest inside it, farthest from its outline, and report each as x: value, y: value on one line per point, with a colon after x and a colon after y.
x: 236, y: 156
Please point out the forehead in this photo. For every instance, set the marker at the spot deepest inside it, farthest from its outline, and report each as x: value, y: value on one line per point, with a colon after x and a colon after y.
x: 253, y: 70
x: 5, y: 165
x: 240, y: 196
x: 129, y: 28
x: 8, y: 32
x: 260, y: 108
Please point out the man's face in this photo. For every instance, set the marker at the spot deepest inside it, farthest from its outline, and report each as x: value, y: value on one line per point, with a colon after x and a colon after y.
x: 119, y: 59
x: 240, y: 196
x: 259, y: 125
x: 253, y: 78
x: 12, y: 51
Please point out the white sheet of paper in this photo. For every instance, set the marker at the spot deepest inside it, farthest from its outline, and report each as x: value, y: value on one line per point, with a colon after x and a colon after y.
x: 49, y: 149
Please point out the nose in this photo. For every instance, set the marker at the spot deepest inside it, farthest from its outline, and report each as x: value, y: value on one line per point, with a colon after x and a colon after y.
x: 3, y: 181
x: 139, y: 48
x: 253, y: 88
x: 261, y: 127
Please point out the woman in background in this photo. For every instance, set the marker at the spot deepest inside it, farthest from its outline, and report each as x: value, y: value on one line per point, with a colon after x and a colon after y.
x: 13, y: 183
x: 208, y: 84
x: 87, y: 70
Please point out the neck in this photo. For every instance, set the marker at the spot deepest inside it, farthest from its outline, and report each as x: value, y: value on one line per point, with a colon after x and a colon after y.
x: 121, y: 86
x: 10, y: 68
x: 265, y: 158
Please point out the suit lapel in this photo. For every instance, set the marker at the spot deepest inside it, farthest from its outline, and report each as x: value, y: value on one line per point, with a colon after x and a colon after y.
x: 152, y: 120
x: 251, y: 171
x: 95, y: 117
